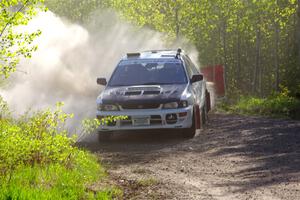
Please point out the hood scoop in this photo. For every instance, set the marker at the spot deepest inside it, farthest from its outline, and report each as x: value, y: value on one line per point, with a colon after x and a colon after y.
x: 142, y: 90
x: 131, y: 93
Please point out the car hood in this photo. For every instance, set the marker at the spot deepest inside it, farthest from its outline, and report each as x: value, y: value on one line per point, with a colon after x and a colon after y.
x: 142, y: 94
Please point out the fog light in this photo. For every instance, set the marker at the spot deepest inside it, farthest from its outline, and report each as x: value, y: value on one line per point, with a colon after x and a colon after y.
x: 171, y: 118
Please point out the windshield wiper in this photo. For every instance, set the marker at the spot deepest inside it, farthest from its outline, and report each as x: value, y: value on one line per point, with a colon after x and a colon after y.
x: 153, y: 83
x: 120, y: 85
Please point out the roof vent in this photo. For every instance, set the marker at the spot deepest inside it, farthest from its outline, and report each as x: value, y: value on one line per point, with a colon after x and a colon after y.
x: 133, y: 55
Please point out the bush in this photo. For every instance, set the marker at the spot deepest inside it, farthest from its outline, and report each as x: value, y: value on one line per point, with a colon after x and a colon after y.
x: 278, y: 105
x: 39, y: 161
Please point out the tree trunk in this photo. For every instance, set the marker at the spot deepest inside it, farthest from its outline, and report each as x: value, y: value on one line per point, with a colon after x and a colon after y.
x: 177, y: 21
x: 224, y: 35
x: 261, y: 73
x: 298, y: 31
x: 257, y: 61
x: 238, y: 49
x: 277, y: 56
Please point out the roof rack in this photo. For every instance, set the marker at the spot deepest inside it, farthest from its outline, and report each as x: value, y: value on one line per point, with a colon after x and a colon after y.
x: 160, y: 50
x: 163, y: 52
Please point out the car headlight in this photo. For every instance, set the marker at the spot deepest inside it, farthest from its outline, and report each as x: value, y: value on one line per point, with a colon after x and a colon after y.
x: 183, y: 104
x: 173, y: 105
x: 107, y: 107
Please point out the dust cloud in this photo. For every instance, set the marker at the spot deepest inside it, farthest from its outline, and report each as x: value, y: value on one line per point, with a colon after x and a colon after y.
x: 69, y: 59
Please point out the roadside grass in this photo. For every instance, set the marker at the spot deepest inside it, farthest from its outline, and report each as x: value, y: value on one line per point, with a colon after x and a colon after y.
x: 277, y: 105
x: 108, y: 193
x: 140, y: 171
x: 39, y: 161
x: 50, y: 182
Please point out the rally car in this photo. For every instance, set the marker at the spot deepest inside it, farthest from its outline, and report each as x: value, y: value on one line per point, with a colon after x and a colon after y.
x: 158, y: 89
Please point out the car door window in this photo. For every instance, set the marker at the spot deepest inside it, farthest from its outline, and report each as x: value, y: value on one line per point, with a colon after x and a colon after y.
x: 193, y: 66
x: 188, y: 67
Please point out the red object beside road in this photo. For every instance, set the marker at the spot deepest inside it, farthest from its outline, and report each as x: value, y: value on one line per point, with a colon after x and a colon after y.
x: 215, y: 74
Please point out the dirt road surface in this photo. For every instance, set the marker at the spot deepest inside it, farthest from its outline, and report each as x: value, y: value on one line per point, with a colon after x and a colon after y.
x: 234, y: 157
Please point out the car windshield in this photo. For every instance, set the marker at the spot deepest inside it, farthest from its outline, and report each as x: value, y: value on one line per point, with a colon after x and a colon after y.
x: 148, y: 72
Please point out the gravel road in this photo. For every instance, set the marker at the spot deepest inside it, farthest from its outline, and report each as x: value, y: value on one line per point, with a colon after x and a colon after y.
x: 233, y: 157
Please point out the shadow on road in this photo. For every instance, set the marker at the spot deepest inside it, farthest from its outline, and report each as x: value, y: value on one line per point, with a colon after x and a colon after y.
x: 271, y: 148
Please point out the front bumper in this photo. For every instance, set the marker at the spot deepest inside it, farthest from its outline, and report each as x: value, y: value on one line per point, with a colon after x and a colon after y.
x: 157, y: 119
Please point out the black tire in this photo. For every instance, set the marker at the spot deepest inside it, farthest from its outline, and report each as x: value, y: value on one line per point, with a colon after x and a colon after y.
x: 203, y: 116
x: 104, y: 136
x: 190, y: 132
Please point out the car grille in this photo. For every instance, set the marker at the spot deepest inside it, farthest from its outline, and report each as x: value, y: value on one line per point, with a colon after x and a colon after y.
x: 140, y: 106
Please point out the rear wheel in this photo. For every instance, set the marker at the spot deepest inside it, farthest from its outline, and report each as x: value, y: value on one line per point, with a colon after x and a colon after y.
x: 207, y: 101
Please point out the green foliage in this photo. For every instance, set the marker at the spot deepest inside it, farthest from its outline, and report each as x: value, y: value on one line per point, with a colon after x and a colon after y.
x: 254, y: 40
x: 76, y: 10
x: 39, y: 161
x: 4, y: 109
x: 51, y: 182
x: 15, y: 44
x: 38, y: 139
x: 89, y: 125
x: 278, y: 105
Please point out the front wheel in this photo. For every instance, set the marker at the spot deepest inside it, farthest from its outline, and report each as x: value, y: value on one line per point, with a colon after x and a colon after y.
x: 190, y: 132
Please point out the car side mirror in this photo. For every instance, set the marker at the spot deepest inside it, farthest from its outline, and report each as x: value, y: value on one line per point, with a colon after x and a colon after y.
x: 101, y: 81
x: 197, y: 78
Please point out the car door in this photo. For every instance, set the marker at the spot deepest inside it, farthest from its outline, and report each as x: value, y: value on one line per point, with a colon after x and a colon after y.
x: 200, y: 85
x: 196, y: 87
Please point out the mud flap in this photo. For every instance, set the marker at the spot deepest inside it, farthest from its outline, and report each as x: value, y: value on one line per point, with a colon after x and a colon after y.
x: 208, y: 101
x: 197, y: 117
